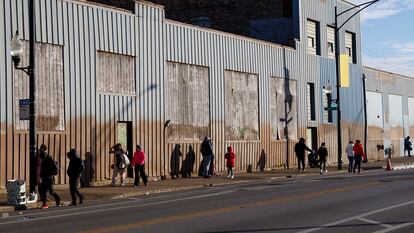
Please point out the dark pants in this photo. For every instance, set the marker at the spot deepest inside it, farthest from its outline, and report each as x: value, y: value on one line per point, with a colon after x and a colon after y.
x: 44, y: 187
x: 73, y: 187
x: 351, y: 163
x: 358, y: 159
x: 301, y: 160
x: 140, y: 172
x: 323, y: 165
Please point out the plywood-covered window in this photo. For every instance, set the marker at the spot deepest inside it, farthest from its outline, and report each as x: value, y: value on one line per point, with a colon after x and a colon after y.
x: 115, y: 74
x: 187, y: 102
x: 330, y: 38
x: 49, y: 90
x: 242, y: 106
x: 283, y: 108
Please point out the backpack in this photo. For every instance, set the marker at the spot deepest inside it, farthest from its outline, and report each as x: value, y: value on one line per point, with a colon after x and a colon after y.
x: 53, y: 167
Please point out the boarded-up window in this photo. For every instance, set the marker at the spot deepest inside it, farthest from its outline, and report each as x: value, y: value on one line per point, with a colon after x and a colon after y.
x: 242, y: 106
x: 283, y: 108
x: 115, y: 73
x: 187, y: 101
x: 49, y: 92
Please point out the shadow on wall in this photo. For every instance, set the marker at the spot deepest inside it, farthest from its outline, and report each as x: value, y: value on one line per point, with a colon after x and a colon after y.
x: 89, y: 171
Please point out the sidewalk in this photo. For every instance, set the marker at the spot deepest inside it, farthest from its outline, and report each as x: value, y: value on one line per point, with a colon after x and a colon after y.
x: 159, y: 186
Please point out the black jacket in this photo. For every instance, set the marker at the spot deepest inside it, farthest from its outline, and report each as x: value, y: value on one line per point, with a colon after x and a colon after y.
x: 300, y: 149
x: 323, y: 153
x: 75, y: 167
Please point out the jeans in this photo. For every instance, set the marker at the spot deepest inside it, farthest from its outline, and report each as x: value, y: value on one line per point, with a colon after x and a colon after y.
x: 206, y: 165
x: 73, y: 187
x: 358, y: 159
x: 351, y: 163
x: 140, y: 172
x: 230, y: 172
x: 323, y: 165
x: 121, y: 173
x: 301, y: 160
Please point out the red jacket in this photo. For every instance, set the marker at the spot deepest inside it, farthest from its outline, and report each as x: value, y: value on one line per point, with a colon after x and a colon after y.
x: 139, y: 158
x: 358, y: 150
x: 230, y: 157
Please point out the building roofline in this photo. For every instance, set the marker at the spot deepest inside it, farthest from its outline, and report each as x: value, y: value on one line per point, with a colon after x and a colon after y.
x: 388, y: 72
x: 250, y: 39
x: 348, y: 2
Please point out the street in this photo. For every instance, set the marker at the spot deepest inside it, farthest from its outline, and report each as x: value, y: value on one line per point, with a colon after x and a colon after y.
x: 375, y: 201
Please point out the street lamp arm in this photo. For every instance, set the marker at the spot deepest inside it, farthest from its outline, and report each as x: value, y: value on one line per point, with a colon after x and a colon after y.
x: 367, y: 4
x: 362, y: 4
x: 24, y: 69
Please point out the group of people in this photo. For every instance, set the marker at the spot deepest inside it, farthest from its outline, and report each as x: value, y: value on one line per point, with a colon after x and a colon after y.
x: 46, y: 171
x: 121, y: 163
x: 355, y: 153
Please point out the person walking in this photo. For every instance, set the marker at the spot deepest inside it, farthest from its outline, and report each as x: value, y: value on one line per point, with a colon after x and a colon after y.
x: 323, y: 154
x: 48, y: 170
x: 206, y: 152
x: 120, y: 163
x: 407, y: 145
x: 350, y: 153
x: 230, y: 158
x: 74, y: 171
x: 359, y: 154
x: 300, y: 148
x: 138, y: 163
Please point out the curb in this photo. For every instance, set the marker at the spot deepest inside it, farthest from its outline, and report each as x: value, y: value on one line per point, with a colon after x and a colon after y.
x: 403, y: 167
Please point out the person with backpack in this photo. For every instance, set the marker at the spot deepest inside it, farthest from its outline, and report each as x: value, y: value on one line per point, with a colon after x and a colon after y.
x: 121, y: 162
x: 48, y: 170
x: 74, y: 171
x: 230, y: 158
x: 138, y: 163
x: 322, y: 153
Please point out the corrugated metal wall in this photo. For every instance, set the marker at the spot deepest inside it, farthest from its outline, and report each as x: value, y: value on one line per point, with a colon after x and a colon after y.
x: 91, y: 117
x: 390, y: 85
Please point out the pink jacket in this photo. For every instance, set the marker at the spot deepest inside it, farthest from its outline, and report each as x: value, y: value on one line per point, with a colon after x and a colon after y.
x: 139, y: 158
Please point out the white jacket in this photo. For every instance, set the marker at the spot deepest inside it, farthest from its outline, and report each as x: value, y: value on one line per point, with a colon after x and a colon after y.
x: 350, y: 150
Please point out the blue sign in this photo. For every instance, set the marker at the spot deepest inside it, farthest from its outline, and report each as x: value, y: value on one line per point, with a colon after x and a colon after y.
x: 24, y: 107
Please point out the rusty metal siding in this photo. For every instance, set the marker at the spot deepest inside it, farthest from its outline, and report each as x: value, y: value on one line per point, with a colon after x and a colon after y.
x: 82, y: 29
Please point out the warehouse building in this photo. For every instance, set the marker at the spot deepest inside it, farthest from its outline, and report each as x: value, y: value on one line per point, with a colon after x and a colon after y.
x: 108, y: 74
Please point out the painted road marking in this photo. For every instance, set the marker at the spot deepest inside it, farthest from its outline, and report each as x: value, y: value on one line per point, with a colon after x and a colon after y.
x: 210, y: 212
x: 358, y: 216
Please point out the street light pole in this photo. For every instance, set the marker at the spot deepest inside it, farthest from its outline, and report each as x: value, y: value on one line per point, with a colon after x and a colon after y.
x: 338, y: 83
x: 338, y: 88
x: 32, y: 112
x: 365, y: 117
x: 16, y: 51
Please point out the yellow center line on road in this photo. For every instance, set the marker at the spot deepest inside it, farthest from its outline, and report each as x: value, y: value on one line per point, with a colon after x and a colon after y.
x: 177, y: 217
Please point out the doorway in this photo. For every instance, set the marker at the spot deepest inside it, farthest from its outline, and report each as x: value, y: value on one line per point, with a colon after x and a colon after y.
x: 312, y: 138
x: 124, y: 136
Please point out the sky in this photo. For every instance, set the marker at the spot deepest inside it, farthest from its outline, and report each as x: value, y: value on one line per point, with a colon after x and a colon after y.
x: 388, y: 36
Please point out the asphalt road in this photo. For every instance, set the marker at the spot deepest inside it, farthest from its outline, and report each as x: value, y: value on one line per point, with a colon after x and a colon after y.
x: 375, y: 201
